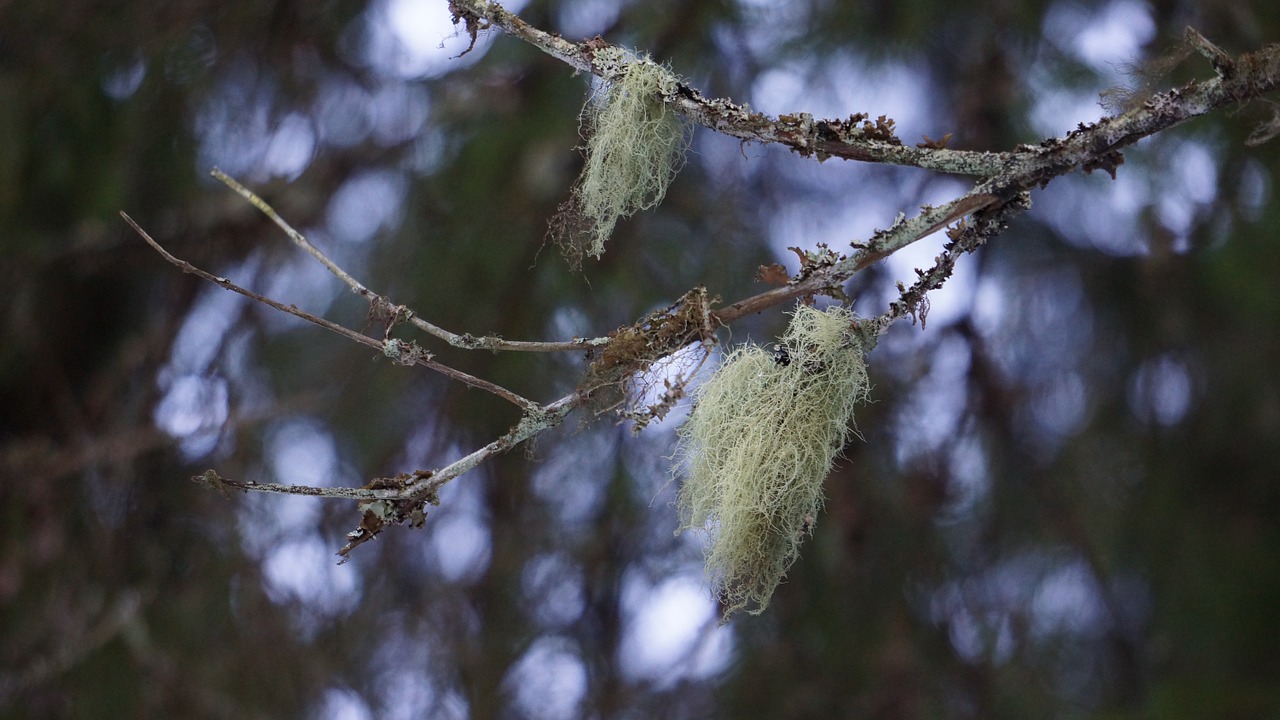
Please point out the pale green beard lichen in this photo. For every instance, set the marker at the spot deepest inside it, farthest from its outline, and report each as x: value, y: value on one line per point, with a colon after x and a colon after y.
x: 635, y: 146
x: 761, y: 440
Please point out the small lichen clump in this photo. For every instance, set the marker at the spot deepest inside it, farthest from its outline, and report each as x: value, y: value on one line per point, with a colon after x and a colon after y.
x: 761, y: 440
x: 635, y: 146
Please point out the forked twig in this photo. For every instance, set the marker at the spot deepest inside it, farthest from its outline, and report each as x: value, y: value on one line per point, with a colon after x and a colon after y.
x: 465, y: 341
x: 399, y: 351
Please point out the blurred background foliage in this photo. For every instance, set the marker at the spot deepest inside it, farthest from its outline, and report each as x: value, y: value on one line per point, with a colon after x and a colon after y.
x: 1065, y: 503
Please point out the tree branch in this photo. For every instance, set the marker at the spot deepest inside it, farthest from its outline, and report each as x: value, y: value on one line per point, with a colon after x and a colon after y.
x: 399, y: 351
x: 400, y: 312
x: 1088, y: 147
x: 856, y: 138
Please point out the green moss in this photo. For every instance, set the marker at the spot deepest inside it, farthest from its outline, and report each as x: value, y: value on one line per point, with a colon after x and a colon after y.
x: 759, y: 444
x: 635, y: 147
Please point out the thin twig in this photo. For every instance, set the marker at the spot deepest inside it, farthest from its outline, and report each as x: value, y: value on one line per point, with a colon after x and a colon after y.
x: 294, y: 235
x: 212, y: 479
x: 465, y: 341
x: 404, y: 353
x: 536, y: 421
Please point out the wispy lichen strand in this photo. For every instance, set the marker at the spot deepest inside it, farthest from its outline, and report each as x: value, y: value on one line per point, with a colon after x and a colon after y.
x: 635, y: 146
x: 761, y: 440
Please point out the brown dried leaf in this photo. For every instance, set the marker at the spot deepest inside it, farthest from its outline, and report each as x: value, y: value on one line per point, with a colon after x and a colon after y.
x: 931, y: 144
x: 774, y: 274
x: 804, y: 257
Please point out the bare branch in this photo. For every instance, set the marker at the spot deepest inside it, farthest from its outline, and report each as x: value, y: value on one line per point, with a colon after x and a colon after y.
x: 294, y: 235
x: 399, y: 351
x: 465, y: 341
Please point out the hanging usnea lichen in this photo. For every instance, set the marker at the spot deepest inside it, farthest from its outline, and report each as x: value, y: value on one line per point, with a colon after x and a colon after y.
x: 635, y: 146
x: 763, y: 435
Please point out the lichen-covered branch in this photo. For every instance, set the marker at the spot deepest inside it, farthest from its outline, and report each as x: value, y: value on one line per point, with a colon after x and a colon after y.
x: 1089, y: 147
x: 859, y: 138
x: 855, y: 138
x: 1096, y: 146
x: 1005, y: 175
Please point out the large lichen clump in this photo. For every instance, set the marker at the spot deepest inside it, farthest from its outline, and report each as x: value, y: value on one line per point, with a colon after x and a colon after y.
x: 635, y: 146
x: 761, y: 440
